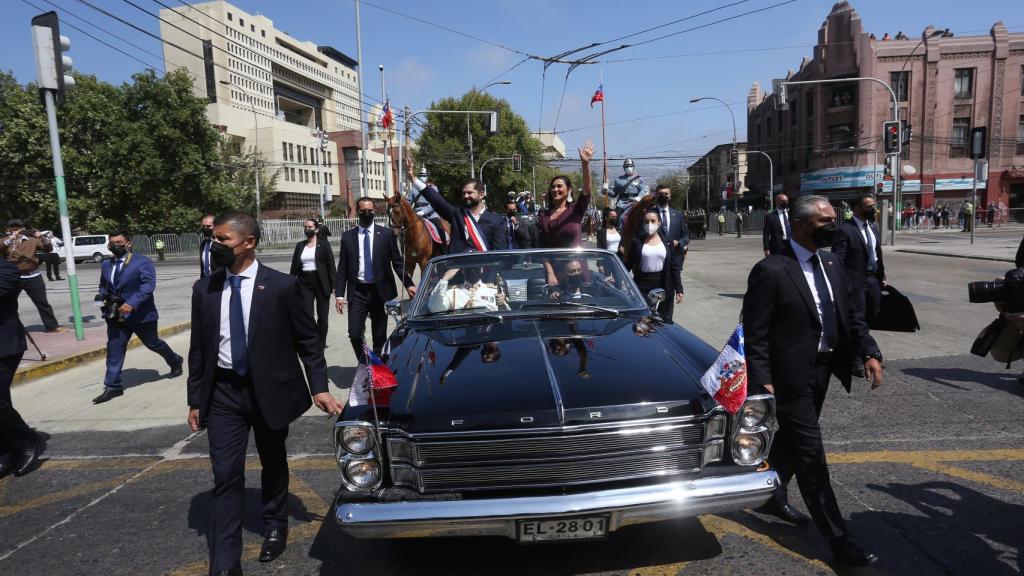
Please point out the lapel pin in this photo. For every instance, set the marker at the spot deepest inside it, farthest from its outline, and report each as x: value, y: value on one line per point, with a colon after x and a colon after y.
x: 261, y: 286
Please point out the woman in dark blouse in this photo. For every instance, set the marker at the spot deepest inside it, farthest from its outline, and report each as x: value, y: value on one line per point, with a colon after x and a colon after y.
x: 559, y: 225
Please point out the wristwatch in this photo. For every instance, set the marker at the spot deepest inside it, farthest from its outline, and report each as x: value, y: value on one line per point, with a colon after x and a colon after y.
x: 875, y: 355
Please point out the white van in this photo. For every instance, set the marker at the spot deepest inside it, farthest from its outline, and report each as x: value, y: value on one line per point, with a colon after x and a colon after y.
x: 92, y: 247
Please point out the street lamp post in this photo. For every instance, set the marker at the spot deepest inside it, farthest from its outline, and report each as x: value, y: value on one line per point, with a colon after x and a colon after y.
x: 469, y: 134
x: 771, y: 175
x: 736, y: 168
x: 256, y: 147
x: 485, y: 164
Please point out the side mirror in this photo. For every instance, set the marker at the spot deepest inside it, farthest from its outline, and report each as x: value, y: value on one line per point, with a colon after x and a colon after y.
x: 394, y: 309
x: 654, y: 298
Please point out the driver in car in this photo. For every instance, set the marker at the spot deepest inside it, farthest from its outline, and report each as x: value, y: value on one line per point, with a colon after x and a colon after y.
x: 472, y: 293
x: 573, y: 285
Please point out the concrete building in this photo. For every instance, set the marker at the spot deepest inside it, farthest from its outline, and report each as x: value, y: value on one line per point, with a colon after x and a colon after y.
x: 269, y: 91
x: 715, y: 167
x: 829, y: 140
x: 554, y: 148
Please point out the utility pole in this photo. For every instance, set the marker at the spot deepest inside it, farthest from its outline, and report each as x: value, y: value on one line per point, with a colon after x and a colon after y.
x: 359, y: 100
x: 386, y: 129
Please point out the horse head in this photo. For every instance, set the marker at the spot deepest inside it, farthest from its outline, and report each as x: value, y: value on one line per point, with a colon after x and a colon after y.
x: 397, y: 216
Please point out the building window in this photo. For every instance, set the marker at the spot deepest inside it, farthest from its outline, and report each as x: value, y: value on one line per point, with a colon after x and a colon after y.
x: 792, y: 113
x: 809, y: 104
x: 292, y: 170
x: 961, y: 137
x: 841, y: 137
x: 284, y: 150
x: 316, y: 178
x: 230, y: 17
x: 1020, y: 136
x: 286, y: 178
x: 328, y: 157
x: 252, y: 27
x: 843, y: 95
x: 900, y: 82
x: 778, y: 123
x: 263, y: 33
x: 767, y: 127
x: 241, y: 22
x: 963, y: 82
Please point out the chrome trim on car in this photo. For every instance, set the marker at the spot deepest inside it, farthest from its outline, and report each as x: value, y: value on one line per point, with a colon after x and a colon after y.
x: 555, y: 391
x: 557, y: 429
x: 498, y: 516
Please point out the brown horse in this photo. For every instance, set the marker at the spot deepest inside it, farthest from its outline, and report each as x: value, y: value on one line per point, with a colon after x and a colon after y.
x: 633, y: 224
x: 417, y: 245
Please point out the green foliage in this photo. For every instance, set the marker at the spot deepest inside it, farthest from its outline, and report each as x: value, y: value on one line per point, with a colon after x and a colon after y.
x: 141, y: 155
x: 443, y: 147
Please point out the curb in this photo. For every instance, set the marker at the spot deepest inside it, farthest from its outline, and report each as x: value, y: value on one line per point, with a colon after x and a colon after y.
x: 948, y: 255
x: 49, y: 368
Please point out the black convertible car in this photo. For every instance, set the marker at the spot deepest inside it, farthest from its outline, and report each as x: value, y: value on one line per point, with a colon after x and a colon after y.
x: 542, y: 412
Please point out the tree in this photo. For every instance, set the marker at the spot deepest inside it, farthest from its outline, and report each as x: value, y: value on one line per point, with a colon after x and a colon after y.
x: 443, y: 148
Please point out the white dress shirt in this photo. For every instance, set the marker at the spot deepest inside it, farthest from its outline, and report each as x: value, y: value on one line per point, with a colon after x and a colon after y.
x: 613, y: 238
x: 803, y: 256
x: 113, y: 267
x: 461, y: 297
x: 308, y: 258
x: 652, y: 257
x: 869, y: 239
x: 362, y: 232
x: 782, y: 221
x: 248, y: 282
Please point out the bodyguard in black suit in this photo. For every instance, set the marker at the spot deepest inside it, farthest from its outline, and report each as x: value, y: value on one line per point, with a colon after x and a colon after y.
x: 368, y: 283
x: 249, y: 332
x: 19, y: 444
x: 522, y: 233
x: 859, y: 248
x: 777, y: 229
x: 313, y: 265
x: 206, y: 267
x: 799, y: 330
x: 474, y: 229
x: 673, y: 225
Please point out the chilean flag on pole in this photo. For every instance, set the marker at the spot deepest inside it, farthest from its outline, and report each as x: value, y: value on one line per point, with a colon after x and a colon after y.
x: 382, y: 379
x: 386, y: 120
x: 726, y: 380
x: 598, y: 96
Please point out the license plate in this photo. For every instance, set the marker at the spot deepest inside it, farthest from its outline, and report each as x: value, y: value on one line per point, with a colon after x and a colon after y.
x: 576, y: 528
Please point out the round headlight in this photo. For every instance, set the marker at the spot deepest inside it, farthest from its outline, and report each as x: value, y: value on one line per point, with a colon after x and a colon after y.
x: 357, y: 439
x: 753, y: 414
x: 363, y: 473
x: 747, y: 448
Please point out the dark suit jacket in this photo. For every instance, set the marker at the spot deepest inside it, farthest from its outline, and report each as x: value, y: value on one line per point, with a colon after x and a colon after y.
x: 670, y: 279
x: 385, y: 250
x: 213, y: 267
x: 772, y: 235
x: 12, y: 333
x: 491, y: 225
x: 677, y: 231
x: 280, y: 333
x: 852, y: 251
x: 135, y: 284
x: 325, y: 271
x: 781, y: 326
x: 525, y: 235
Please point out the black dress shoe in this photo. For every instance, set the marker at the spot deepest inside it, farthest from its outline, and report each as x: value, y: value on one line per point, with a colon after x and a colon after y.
x: 7, y: 465
x: 274, y: 544
x: 108, y: 395
x: 231, y: 572
x: 176, y: 368
x: 849, y: 554
x: 28, y: 459
x: 783, y: 511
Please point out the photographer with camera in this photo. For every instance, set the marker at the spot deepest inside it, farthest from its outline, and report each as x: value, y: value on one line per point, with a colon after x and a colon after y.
x: 126, y: 289
x: 19, y: 247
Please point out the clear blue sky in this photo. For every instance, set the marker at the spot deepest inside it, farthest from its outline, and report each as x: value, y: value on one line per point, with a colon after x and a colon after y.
x: 424, y: 63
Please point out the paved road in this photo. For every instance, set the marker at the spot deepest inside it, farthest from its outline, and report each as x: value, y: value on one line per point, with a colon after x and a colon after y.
x: 926, y: 469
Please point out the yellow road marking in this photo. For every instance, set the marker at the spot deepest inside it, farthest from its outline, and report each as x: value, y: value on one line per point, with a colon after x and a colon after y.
x: 4, y: 483
x: 99, y: 463
x: 720, y: 526
x: 915, y: 456
x: 973, y: 476
x: 79, y: 490
x: 660, y: 570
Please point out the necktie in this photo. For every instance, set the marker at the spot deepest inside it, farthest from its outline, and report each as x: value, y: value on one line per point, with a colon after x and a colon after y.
x: 784, y: 216
x: 511, y: 234
x: 664, y: 221
x: 117, y: 272
x: 869, y: 239
x: 206, y: 257
x: 367, y: 257
x: 239, y: 349
x: 828, y: 310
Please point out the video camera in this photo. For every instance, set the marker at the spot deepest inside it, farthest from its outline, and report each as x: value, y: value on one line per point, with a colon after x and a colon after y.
x: 1010, y: 290
x: 110, y: 307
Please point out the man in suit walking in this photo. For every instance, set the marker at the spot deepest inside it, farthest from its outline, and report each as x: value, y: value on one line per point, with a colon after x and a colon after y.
x: 522, y: 234
x: 127, y: 282
x: 366, y: 259
x: 858, y: 248
x: 673, y: 227
x: 206, y: 266
x: 249, y: 332
x: 800, y: 330
x: 19, y: 444
x: 777, y: 229
x: 474, y: 229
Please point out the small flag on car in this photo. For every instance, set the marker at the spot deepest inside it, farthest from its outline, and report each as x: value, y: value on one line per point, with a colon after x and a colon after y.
x: 598, y: 96
x: 726, y: 380
x: 382, y: 379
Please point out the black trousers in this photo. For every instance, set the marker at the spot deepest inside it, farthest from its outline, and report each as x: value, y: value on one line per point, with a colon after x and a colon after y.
x: 365, y: 301
x: 797, y: 450
x: 869, y: 299
x: 233, y: 412
x: 647, y: 281
x: 36, y: 290
x: 52, y: 267
x: 313, y: 298
x: 14, y: 432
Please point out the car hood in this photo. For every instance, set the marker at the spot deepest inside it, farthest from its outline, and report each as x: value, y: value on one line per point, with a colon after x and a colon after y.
x: 523, y: 374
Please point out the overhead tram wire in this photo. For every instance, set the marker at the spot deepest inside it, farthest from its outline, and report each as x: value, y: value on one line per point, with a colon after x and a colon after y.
x: 631, y: 120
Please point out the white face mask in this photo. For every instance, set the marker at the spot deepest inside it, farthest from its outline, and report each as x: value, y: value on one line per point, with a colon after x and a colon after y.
x: 651, y: 228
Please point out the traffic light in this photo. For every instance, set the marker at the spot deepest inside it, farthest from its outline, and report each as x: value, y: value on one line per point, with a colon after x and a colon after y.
x: 492, y: 124
x: 53, y: 68
x: 779, y: 89
x: 908, y: 132
x: 517, y: 162
x: 978, y: 136
x: 734, y: 157
x: 892, y: 137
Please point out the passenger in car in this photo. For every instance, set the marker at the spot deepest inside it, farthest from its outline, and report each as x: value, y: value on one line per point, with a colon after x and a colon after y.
x: 574, y: 285
x: 471, y: 293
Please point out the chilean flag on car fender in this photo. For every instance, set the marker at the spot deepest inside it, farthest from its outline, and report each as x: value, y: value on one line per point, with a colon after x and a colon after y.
x: 726, y: 379
x: 382, y: 379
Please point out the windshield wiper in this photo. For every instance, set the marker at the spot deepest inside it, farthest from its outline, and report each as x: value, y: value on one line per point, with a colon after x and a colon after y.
x: 473, y: 312
x: 569, y: 304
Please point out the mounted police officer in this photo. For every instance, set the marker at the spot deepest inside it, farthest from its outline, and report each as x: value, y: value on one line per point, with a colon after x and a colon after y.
x: 627, y: 189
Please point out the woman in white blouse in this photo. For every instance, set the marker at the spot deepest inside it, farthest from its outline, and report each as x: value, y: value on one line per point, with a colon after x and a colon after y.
x: 652, y: 264
x: 608, y: 237
x: 313, y: 264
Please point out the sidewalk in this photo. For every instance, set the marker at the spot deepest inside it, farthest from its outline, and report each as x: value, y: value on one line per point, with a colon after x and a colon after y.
x: 997, y: 244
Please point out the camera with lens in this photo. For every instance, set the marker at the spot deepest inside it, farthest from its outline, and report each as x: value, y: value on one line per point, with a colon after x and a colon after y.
x: 1009, y: 290
x: 110, y: 307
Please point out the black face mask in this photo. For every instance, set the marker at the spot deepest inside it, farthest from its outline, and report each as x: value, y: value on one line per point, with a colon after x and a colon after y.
x: 869, y: 214
x: 824, y: 236
x: 118, y: 250
x: 208, y: 232
x: 783, y: 205
x: 662, y: 200
x: 365, y: 218
x: 573, y: 281
x: 309, y: 233
x: 222, y: 255
x: 512, y: 213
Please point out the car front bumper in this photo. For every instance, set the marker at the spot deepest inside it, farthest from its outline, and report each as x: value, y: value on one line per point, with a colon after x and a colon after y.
x: 498, y: 516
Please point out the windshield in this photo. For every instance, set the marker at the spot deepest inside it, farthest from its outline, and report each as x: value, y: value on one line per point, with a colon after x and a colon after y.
x: 514, y: 282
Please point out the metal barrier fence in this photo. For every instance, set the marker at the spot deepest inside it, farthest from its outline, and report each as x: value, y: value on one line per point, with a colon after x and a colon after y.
x: 752, y: 222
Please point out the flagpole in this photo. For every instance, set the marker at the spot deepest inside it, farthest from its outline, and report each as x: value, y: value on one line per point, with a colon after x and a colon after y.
x: 604, y: 153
